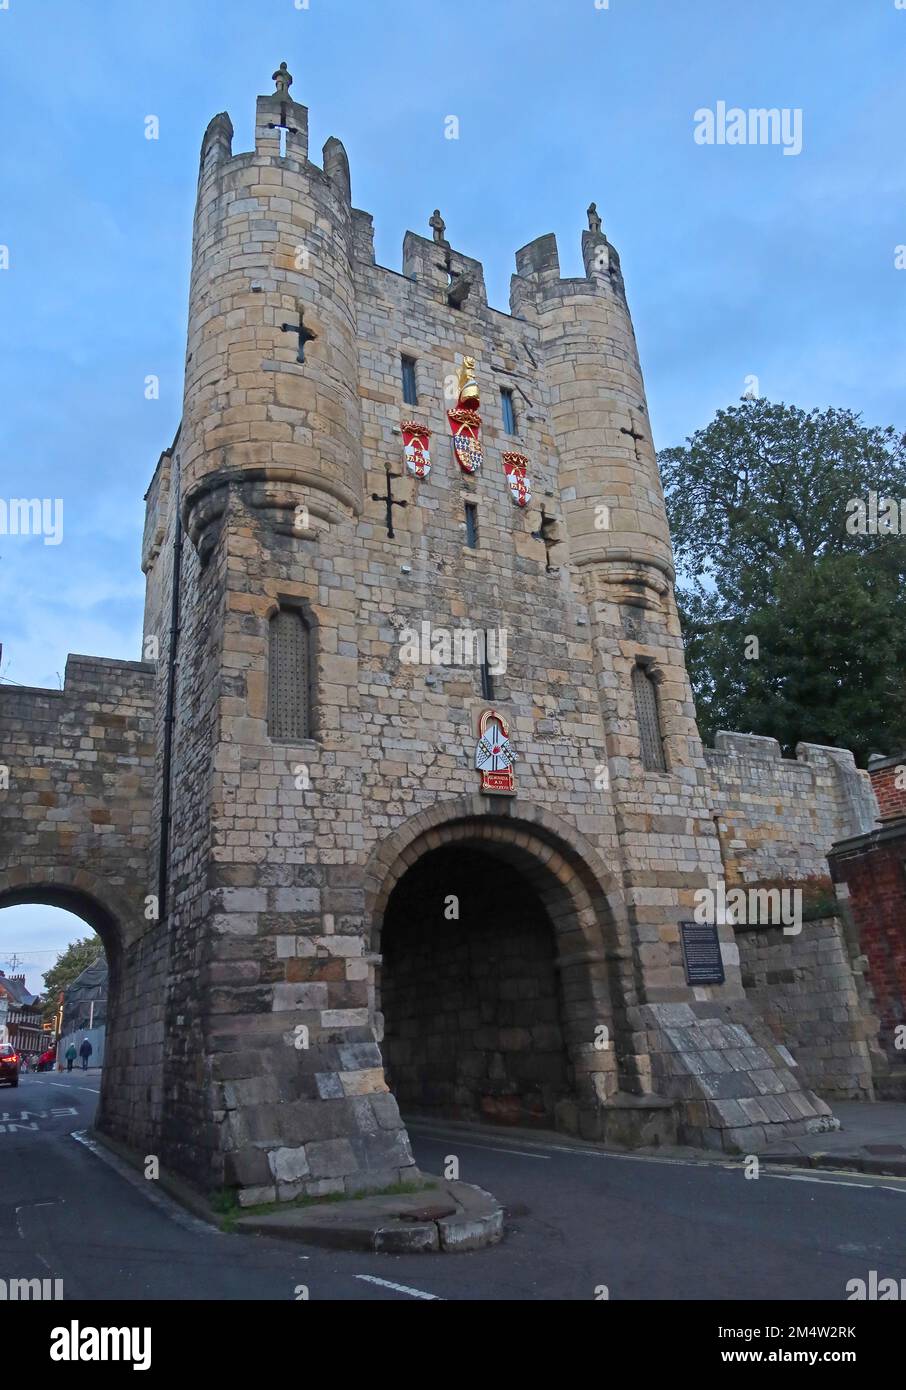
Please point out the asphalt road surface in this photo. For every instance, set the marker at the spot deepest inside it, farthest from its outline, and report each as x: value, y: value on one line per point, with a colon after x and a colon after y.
x: 578, y: 1219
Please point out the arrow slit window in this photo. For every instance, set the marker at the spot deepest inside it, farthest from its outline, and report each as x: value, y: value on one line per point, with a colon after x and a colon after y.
x: 290, y: 706
x: 647, y: 713
x: 410, y: 387
x: 508, y: 409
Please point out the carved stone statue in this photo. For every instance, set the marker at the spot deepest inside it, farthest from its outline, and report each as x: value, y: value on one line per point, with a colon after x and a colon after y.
x: 439, y: 226
x: 283, y: 79
x: 594, y: 221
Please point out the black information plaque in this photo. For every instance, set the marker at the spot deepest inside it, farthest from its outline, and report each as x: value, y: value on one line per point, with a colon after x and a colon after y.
x: 701, y: 953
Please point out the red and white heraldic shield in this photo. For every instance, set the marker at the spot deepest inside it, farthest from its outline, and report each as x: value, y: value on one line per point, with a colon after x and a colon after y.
x: 515, y: 466
x: 466, y: 428
x: 416, y: 448
x: 494, y: 756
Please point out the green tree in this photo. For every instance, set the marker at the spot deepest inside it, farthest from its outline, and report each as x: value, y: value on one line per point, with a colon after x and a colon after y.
x: 794, y: 615
x: 69, y: 964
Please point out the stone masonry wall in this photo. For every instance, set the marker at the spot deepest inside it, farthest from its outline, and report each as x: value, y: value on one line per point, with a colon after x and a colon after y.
x: 777, y: 820
x: 814, y: 999
x: 75, y: 827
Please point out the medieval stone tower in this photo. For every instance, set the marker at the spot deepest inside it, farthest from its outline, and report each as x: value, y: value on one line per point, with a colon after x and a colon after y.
x: 346, y: 912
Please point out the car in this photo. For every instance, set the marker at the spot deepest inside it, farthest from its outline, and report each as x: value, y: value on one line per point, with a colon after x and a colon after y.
x: 46, y: 1060
x: 9, y: 1064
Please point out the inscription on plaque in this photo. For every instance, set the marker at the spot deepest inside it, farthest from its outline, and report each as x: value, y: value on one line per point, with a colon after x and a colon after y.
x: 701, y: 953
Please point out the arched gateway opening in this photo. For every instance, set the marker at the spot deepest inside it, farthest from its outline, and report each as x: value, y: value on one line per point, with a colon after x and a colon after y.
x: 90, y: 900
x: 471, y: 993
x: 500, y: 983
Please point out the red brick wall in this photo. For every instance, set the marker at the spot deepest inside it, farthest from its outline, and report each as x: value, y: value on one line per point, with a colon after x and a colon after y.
x: 891, y: 798
x: 876, y: 876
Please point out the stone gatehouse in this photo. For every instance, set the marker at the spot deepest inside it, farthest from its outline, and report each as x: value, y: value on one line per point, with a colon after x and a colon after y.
x: 313, y: 904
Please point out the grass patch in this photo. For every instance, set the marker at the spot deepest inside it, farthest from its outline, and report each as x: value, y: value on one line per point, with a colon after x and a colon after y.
x: 226, y: 1203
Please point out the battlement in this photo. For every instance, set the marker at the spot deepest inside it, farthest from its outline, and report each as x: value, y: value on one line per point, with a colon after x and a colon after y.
x: 282, y: 136
x: 757, y: 746
x: 778, y: 817
x: 105, y: 681
x: 538, y: 277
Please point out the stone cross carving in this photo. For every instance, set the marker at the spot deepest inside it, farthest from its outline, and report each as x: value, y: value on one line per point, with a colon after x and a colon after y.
x: 283, y: 79
x: 633, y: 434
x: 389, y: 501
x: 440, y: 226
x: 594, y: 220
x: 305, y: 334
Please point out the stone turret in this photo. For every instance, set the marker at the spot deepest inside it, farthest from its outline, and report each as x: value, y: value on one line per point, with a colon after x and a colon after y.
x: 612, y: 498
x: 271, y: 284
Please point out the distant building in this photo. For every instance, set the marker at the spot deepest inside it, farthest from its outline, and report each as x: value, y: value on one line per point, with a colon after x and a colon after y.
x: 85, y: 1000
x: 23, y: 1026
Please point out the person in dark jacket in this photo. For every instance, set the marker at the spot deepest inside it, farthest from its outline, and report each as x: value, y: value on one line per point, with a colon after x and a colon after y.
x: 85, y: 1052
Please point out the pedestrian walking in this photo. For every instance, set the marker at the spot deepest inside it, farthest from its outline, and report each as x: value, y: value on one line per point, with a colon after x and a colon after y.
x: 85, y: 1052
x: 71, y: 1055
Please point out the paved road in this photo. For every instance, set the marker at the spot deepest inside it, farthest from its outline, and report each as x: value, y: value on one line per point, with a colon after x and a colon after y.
x: 578, y: 1219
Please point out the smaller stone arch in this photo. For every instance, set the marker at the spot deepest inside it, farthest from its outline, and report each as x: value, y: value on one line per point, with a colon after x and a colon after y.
x: 131, y: 1081
x: 585, y: 909
x: 78, y: 891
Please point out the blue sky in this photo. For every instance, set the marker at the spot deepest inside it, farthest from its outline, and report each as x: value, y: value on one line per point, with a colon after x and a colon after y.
x: 738, y: 260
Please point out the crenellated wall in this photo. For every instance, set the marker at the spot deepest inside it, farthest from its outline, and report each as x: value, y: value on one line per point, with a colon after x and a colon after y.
x: 777, y: 819
x: 75, y: 831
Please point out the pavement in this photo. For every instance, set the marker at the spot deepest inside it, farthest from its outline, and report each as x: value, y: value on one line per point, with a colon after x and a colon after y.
x: 871, y: 1139
x: 444, y: 1217
x: 578, y: 1220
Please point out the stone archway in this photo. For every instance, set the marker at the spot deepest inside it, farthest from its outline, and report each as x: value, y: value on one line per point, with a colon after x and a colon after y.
x: 575, y: 935
x: 130, y: 1098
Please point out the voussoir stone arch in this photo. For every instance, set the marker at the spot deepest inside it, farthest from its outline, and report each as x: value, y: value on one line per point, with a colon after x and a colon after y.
x: 585, y: 908
x: 520, y: 831
x: 78, y: 891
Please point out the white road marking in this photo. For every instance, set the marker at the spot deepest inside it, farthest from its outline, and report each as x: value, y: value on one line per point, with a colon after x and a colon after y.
x: 61, y: 1085
x: 398, y: 1288
x: 30, y: 1206
x: 493, y: 1148
x: 452, y: 1137
x: 869, y: 1181
x: 833, y: 1182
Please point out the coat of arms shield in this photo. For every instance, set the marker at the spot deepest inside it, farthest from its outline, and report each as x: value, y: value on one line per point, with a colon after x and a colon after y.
x: 466, y: 427
x: 416, y: 448
x: 515, y: 466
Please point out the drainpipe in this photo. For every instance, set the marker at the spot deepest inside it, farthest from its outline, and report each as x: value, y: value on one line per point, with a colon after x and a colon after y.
x: 169, y: 716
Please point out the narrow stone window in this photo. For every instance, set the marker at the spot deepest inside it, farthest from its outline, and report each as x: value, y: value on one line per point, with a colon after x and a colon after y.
x: 487, y: 680
x: 472, y: 525
x: 290, y: 669
x: 410, y: 389
x: 647, y: 714
x: 509, y: 410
